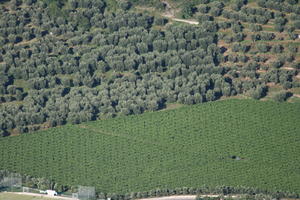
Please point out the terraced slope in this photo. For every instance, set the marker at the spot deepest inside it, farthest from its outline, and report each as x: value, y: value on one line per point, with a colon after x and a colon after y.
x: 230, y: 142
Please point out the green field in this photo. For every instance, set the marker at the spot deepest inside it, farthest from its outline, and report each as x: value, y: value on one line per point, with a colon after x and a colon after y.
x: 190, y: 146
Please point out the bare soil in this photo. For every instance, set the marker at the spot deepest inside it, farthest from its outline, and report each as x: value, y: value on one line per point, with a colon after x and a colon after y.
x: 40, y: 195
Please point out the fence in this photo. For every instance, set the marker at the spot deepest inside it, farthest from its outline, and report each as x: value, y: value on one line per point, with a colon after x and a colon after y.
x: 11, y: 182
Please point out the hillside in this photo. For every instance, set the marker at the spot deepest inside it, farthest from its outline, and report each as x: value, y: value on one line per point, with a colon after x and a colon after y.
x: 232, y: 142
x: 143, y: 98
x: 68, y: 62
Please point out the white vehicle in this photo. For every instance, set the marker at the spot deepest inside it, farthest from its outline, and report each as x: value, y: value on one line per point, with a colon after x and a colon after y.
x: 51, y: 193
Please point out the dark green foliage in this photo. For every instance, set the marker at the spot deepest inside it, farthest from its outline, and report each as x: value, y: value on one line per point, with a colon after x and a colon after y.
x: 277, y: 64
x: 263, y: 48
x: 297, y: 24
x: 258, y: 92
x: 279, y: 28
x: 280, y: 21
x: 281, y: 96
x: 292, y: 2
x: 188, y: 10
x: 255, y: 27
x: 114, y: 64
x: 237, y: 27
x: 255, y: 37
x: 277, y: 48
x: 125, y: 5
x: 160, y: 21
x: 240, y: 48
x: 203, y: 18
x: 292, y: 48
x: 210, y: 26
x: 224, y: 25
x: 152, y: 3
x: 204, y: 9
x: 215, y: 11
x: 294, y: 17
x: 54, y: 54
x: 267, y: 36
x: 237, y: 4
x: 288, y: 57
x: 296, y: 65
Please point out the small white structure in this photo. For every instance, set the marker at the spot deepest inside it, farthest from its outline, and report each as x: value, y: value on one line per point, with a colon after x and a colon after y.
x: 74, y: 195
x: 51, y: 193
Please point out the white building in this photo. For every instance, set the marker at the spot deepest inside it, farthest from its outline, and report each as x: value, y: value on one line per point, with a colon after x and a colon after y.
x: 51, y: 193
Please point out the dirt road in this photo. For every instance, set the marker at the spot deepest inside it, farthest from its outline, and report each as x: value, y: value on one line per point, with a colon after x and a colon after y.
x: 181, y: 20
x: 42, y: 195
x: 170, y: 13
x: 188, y: 197
x: 179, y: 197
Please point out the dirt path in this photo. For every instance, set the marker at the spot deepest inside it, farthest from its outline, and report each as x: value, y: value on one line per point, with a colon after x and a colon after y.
x: 296, y: 95
x: 41, y: 195
x: 169, y: 10
x: 188, y: 197
x: 288, y: 68
x: 179, y: 197
x: 170, y: 13
x: 180, y: 20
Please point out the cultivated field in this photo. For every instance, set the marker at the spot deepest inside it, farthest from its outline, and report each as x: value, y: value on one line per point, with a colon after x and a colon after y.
x: 231, y: 142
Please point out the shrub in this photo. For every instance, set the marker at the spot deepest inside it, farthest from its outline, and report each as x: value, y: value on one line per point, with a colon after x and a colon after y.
x: 202, y: 18
x: 160, y: 21
x: 296, y: 65
x: 297, y: 24
x: 188, y: 10
x: 277, y: 48
x: 255, y: 27
x: 214, y: 11
x: 125, y: 5
x: 237, y: 28
x: 292, y: 48
x: 203, y: 8
x: 292, y: 2
x: 281, y: 96
x: 258, y: 92
x: 255, y: 37
x: 263, y: 48
x: 279, y: 28
x: 293, y: 36
x: 277, y: 64
x: 267, y: 36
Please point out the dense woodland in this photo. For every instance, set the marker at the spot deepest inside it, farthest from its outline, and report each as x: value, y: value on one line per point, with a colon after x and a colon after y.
x: 80, y: 60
